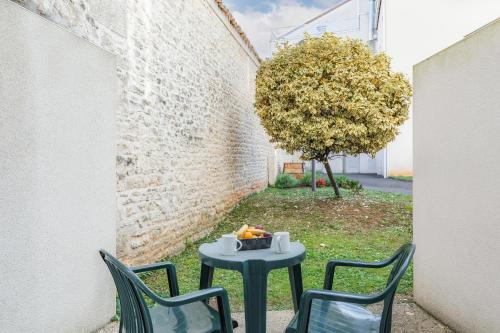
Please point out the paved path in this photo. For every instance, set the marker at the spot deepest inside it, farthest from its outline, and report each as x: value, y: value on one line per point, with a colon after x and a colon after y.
x: 407, y: 318
x: 374, y: 182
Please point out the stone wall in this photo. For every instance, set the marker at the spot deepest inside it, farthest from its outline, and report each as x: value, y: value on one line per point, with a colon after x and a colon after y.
x: 189, y: 144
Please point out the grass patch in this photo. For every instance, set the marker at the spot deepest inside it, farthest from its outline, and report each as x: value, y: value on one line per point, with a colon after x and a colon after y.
x: 367, y: 225
x: 405, y: 178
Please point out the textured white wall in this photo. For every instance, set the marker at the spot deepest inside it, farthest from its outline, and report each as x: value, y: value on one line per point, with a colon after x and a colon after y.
x: 457, y: 183
x: 58, y: 183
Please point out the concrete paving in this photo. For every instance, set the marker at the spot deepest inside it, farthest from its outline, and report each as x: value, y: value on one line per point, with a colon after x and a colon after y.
x: 374, y: 182
x: 407, y: 318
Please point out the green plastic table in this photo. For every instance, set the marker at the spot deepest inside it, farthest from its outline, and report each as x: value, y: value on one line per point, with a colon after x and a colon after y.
x: 254, y: 266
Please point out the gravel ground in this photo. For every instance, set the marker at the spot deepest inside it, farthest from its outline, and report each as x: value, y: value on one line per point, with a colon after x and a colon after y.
x: 407, y: 318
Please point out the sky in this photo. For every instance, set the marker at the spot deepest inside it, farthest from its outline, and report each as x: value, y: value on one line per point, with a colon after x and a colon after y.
x: 258, y: 18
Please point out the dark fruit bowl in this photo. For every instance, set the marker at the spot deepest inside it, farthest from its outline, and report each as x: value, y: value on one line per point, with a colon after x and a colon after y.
x: 256, y: 243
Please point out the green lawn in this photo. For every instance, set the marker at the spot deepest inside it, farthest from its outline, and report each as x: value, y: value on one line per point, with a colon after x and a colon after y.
x: 405, y: 178
x: 368, y: 225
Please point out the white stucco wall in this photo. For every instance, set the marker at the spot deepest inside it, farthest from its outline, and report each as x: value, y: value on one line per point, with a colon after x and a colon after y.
x: 457, y: 183
x: 58, y: 183
x: 413, y: 31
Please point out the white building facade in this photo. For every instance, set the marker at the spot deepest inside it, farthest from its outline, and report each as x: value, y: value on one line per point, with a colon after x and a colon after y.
x: 409, y: 32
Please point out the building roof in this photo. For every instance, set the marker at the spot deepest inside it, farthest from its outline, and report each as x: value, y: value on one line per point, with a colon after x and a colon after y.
x: 237, y: 27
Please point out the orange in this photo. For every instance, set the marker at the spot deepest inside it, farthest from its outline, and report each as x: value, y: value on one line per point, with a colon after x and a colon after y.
x: 247, y: 235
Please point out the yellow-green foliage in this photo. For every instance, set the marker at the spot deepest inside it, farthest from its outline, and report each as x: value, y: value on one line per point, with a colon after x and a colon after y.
x: 331, y: 95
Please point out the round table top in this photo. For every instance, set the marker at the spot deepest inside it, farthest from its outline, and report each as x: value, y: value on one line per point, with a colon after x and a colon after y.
x: 210, y: 254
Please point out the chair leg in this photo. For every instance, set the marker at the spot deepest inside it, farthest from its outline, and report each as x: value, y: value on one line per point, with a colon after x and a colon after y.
x: 226, y: 323
x: 295, y: 276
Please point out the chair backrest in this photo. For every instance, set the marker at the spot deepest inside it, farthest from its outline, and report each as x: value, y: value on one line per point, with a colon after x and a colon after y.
x: 402, y: 260
x: 134, y: 315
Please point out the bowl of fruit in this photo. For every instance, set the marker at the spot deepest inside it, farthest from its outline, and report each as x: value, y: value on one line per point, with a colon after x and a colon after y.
x: 254, y: 238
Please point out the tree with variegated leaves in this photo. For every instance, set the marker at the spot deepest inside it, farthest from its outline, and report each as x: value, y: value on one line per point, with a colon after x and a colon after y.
x: 330, y: 96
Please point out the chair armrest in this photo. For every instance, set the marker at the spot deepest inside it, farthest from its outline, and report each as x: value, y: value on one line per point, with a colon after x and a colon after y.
x: 152, y: 267
x: 332, y: 264
x: 173, y: 285
x: 198, y: 295
x: 202, y: 295
x: 309, y: 295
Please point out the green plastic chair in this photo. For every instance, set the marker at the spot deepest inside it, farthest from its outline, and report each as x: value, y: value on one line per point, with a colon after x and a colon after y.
x: 324, y: 310
x: 185, y: 313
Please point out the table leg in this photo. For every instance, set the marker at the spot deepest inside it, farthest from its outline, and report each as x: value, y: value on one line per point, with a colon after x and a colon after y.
x: 255, y: 292
x: 206, y: 277
x: 295, y: 276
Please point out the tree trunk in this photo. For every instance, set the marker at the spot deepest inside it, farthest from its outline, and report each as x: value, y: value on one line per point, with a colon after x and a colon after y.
x: 332, y: 180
